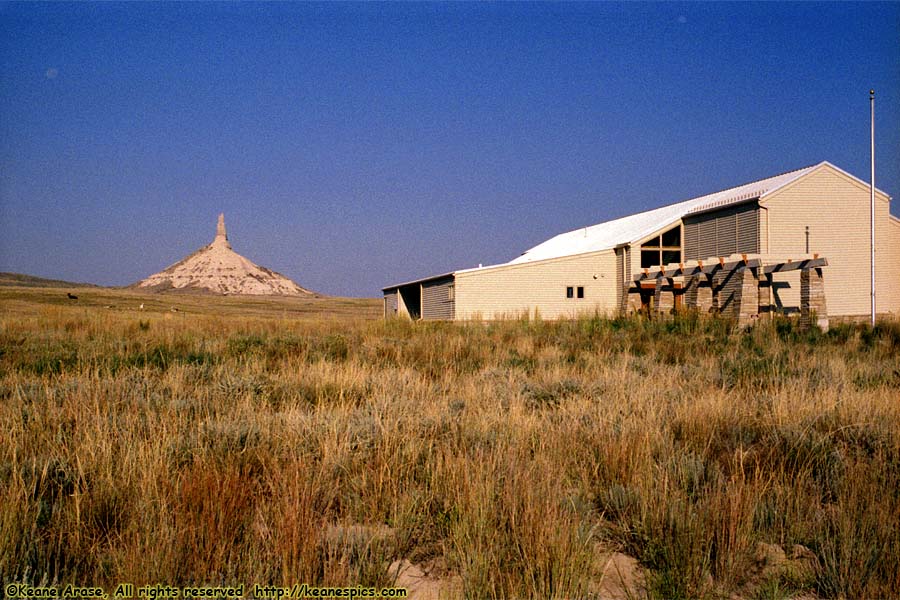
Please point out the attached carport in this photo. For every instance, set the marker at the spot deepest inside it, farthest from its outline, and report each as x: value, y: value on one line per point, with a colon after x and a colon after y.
x: 428, y: 299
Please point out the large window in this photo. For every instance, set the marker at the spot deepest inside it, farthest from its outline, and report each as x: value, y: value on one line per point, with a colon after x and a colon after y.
x: 663, y: 249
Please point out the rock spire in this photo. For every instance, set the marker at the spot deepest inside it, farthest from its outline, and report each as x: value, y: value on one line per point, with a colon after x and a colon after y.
x: 221, y: 238
x: 218, y: 269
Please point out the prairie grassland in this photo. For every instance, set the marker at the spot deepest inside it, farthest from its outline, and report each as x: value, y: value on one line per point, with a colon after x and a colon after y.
x: 508, y: 457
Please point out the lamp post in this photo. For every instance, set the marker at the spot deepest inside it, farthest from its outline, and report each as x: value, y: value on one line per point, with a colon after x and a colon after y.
x: 872, y: 193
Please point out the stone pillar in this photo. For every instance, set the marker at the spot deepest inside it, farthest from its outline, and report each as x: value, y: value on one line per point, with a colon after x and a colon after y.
x: 698, y: 294
x: 690, y: 291
x: 663, y: 300
x: 812, y: 299
x: 747, y: 297
x: 705, y: 300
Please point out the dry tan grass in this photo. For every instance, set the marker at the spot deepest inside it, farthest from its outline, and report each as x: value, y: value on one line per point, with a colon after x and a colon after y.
x: 510, y: 458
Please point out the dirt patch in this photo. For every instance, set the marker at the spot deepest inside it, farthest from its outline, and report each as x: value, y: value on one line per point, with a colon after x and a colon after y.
x: 621, y: 577
x: 787, y: 573
x: 425, y: 582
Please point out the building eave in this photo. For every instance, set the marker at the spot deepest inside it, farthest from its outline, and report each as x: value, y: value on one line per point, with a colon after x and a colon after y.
x: 708, y: 209
x: 421, y: 280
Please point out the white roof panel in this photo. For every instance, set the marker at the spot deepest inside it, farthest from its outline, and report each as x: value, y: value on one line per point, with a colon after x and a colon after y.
x: 633, y: 228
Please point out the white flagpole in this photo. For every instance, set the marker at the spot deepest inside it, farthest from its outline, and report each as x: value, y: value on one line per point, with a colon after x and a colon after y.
x: 872, y: 192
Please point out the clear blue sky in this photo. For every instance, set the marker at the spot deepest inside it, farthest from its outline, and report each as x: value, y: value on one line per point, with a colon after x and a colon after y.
x: 353, y: 146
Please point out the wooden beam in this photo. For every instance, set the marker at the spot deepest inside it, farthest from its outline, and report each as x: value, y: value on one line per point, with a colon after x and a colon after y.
x: 799, y: 265
x: 745, y: 262
x: 663, y: 273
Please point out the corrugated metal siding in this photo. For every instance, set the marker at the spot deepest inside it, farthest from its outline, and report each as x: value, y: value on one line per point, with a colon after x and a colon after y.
x: 726, y: 233
x: 436, y: 302
x: 706, y: 243
x: 836, y: 210
x: 513, y: 290
x: 723, y: 232
x: 748, y: 231
x: 691, y: 241
x: 390, y: 304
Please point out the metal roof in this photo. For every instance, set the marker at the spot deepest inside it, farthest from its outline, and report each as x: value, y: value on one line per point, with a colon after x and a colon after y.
x: 634, y: 228
x: 421, y: 280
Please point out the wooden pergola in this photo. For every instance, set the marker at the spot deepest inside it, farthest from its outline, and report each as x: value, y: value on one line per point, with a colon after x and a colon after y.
x: 737, y: 286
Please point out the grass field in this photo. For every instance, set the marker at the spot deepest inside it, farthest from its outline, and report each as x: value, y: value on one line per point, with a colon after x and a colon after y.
x: 238, y: 441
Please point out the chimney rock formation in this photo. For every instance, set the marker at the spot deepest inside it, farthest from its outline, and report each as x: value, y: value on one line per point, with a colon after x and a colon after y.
x: 221, y: 238
x: 218, y: 269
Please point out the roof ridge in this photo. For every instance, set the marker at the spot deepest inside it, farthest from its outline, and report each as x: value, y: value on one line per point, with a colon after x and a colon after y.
x: 671, y: 204
x: 629, y: 228
x: 734, y: 187
x: 677, y: 202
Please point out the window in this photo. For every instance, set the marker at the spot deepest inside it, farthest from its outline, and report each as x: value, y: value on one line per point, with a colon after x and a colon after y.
x: 649, y: 258
x: 451, y: 293
x: 574, y: 292
x: 663, y: 249
x: 670, y: 256
x: 672, y: 237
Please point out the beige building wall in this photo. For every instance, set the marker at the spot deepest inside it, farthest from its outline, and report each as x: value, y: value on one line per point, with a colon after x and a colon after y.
x: 888, y: 252
x: 509, y: 291
x: 835, y: 207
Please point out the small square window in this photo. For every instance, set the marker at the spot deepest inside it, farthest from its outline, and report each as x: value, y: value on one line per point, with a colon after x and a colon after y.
x: 580, y: 292
x: 570, y: 292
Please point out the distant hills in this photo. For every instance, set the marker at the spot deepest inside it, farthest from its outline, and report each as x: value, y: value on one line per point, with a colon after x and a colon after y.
x: 22, y: 280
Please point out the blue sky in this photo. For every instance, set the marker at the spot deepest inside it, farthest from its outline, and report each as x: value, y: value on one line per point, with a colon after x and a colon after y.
x: 351, y: 146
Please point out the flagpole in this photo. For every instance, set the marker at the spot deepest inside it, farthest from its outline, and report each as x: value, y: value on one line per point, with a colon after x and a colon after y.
x: 872, y: 192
